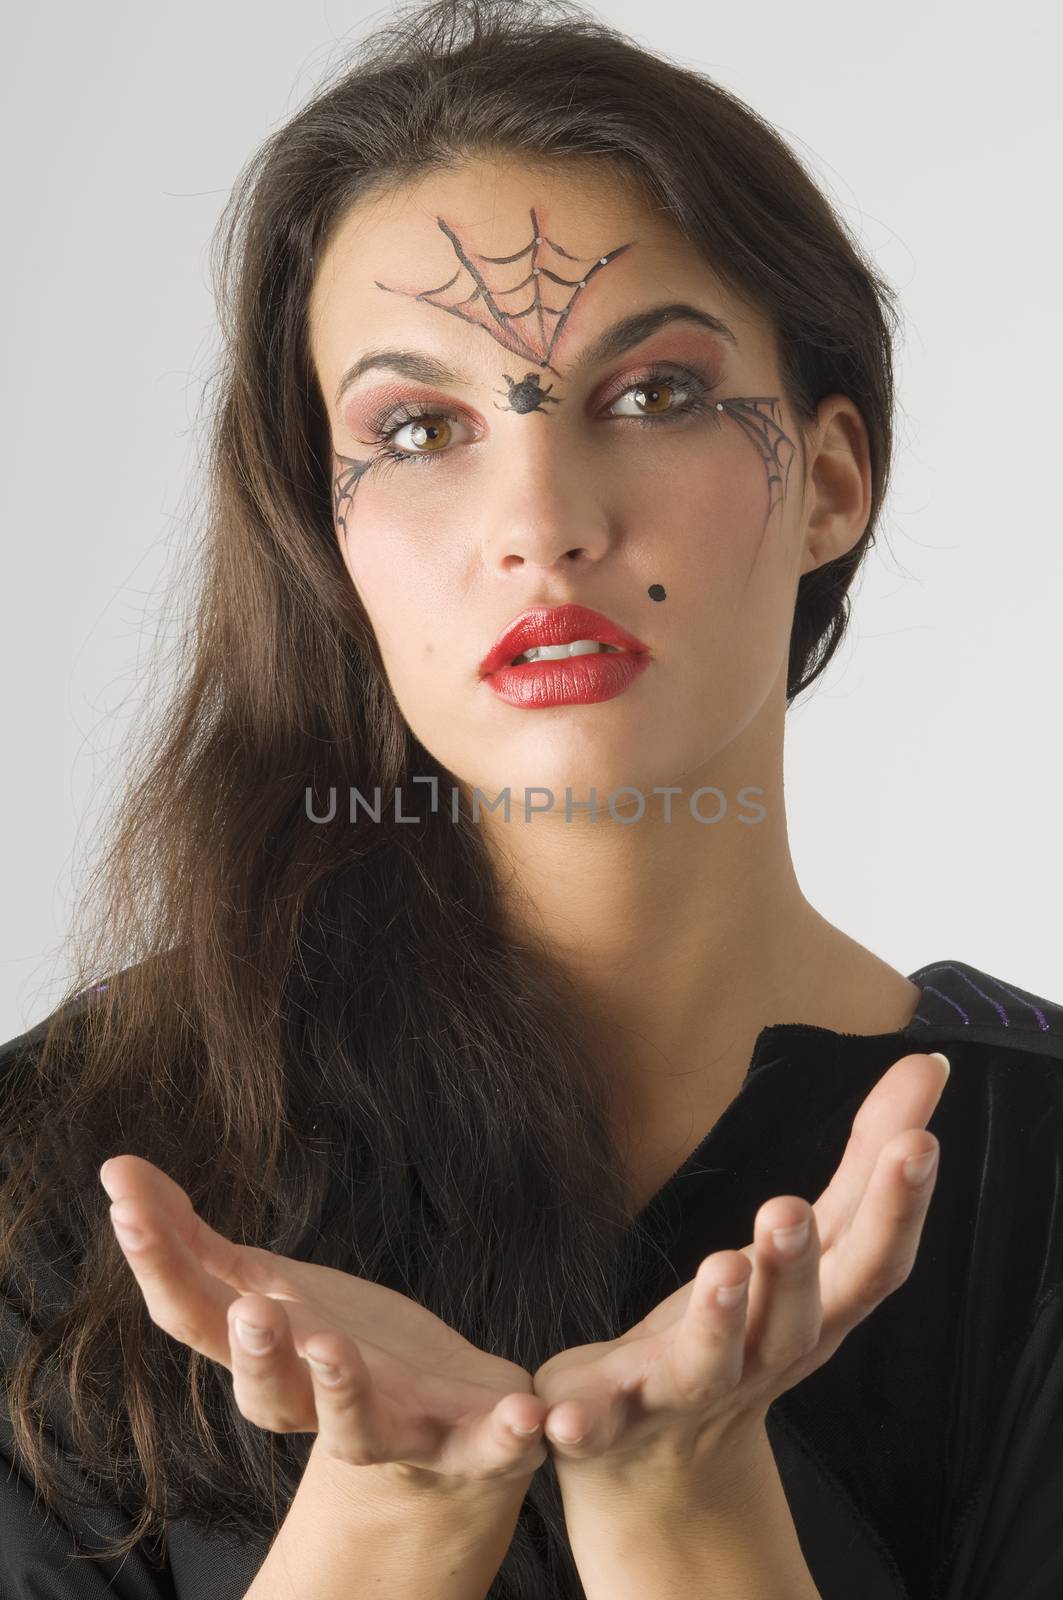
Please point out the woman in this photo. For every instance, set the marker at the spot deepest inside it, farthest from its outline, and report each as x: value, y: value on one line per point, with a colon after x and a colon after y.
x: 452, y: 1010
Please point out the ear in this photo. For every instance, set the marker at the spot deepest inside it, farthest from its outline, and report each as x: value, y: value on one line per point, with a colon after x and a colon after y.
x: 838, y: 483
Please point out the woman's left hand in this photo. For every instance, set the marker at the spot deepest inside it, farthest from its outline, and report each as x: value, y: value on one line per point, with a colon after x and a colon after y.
x: 694, y: 1377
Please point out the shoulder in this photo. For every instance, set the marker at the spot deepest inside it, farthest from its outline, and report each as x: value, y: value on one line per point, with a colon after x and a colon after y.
x: 1000, y: 1122
x: 964, y: 1002
x: 1003, y: 1104
x: 119, y: 983
x: 24, y: 1044
x: 22, y: 1094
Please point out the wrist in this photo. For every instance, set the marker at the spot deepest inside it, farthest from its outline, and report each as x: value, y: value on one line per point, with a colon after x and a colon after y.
x: 395, y: 1488
x: 722, y: 1528
x: 734, y: 1474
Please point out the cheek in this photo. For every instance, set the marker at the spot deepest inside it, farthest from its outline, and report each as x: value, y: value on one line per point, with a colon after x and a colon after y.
x: 370, y: 564
x: 403, y: 588
x: 711, y: 521
x: 385, y: 535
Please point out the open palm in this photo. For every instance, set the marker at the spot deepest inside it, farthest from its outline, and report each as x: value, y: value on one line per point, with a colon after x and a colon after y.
x: 692, y: 1368
x: 430, y: 1399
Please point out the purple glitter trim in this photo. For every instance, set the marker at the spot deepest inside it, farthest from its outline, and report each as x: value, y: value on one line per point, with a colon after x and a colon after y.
x: 1042, y: 1021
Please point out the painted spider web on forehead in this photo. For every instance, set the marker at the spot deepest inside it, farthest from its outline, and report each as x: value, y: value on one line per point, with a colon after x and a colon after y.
x: 532, y: 340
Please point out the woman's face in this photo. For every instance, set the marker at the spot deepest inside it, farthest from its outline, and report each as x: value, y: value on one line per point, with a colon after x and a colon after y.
x: 577, y: 457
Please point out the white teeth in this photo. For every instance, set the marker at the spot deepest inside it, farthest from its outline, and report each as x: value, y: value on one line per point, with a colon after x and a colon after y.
x: 557, y: 652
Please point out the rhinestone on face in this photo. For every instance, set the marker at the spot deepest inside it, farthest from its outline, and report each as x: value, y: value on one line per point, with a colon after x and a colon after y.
x: 603, y: 260
x: 583, y: 283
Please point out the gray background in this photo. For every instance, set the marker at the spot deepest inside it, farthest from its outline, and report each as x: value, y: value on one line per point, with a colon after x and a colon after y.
x: 924, y: 771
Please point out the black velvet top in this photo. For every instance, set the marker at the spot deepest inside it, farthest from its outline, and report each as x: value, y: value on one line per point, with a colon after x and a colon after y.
x: 924, y: 1460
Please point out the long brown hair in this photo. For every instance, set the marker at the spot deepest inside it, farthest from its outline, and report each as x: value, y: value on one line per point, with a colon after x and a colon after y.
x: 325, y: 1034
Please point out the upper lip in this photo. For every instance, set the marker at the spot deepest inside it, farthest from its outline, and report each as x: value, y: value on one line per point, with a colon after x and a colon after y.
x: 555, y: 625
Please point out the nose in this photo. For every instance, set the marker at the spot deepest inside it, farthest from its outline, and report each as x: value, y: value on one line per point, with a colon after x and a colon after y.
x: 540, y: 504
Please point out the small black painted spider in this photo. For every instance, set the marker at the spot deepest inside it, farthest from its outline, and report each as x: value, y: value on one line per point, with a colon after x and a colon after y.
x: 527, y: 395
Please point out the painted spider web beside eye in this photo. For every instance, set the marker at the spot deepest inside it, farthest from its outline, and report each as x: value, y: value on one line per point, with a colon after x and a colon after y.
x: 532, y: 339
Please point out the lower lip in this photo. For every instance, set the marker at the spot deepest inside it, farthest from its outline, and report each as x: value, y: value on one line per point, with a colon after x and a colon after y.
x: 570, y: 681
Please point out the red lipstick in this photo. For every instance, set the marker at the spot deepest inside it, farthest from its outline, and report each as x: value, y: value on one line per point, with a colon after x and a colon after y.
x: 570, y: 680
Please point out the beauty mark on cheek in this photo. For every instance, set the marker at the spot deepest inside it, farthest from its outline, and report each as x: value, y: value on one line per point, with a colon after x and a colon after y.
x: 531, y: 339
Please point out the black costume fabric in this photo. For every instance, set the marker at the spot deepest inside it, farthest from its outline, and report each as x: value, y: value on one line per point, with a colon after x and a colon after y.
x: 924, y: 1460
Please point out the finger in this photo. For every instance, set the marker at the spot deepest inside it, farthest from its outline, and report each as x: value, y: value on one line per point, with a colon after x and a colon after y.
x: 152, y: 1193
x: 596, y: 1418
x: 785, y: 1313
x: 273, y: 1387
x: 522, y: 1414
x: 182, y: 1298
x: 573, y: 1426
x: 328, y: 1388
x: 511, y: 1436
x: 361, y: 1424
x: 460, y: 1439
x: 877, y: 1251
x: 904, y: 1098
x: 707, y: 1352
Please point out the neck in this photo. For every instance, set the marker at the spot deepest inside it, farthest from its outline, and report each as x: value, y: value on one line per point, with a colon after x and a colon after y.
x: 685, y: 938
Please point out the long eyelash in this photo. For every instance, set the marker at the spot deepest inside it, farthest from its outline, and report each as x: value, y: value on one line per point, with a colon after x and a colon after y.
x: 383, y: 427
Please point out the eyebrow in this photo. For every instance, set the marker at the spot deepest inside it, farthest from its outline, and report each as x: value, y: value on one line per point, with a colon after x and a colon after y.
x: 613, y: 342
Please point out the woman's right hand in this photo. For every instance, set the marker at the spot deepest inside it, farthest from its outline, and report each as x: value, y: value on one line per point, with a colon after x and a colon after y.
x: 411, y: 1392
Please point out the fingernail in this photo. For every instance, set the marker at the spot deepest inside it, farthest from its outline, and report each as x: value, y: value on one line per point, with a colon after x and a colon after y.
x: 325, y: 1370
x: 127, y: 1234
x: 918, y: 1168
x: 937, y: 1056
x: 252, y: 1337
x: 791, y: 1241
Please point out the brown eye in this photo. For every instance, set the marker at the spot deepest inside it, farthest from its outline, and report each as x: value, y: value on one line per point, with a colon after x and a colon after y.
x: 428, y: 435
x: 652, y: 397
